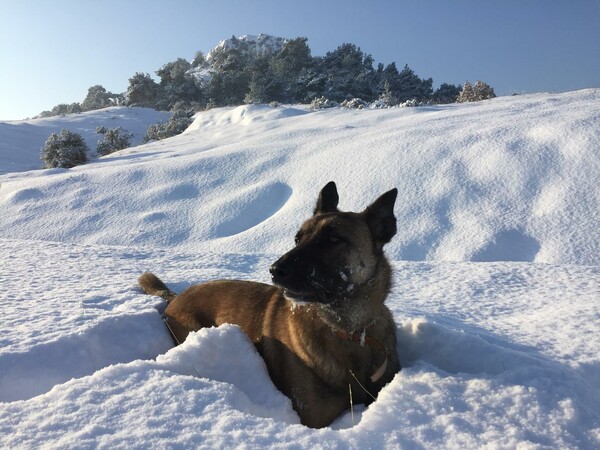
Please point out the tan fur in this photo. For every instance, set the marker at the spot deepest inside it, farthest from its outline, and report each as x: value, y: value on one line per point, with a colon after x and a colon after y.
x: 345, y: 278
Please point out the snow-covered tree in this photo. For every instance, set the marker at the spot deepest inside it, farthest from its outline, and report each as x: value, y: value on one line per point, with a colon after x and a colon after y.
x: 288, y: 65
x: 411, y: 87
x: 177, y: 124
x: 446, y: 93
x: 142, y: 91
x: 231, y: 77
x: 348, y: 73
x: 65, y: 149
x: 112, y: 140
x: 470, y: 93
x: 483, y: 91
x: 199, y: 60
x: 98, y: 97
x: 177, y: 85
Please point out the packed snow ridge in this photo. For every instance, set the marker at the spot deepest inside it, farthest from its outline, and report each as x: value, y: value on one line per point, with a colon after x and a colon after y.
x: 498, y: 350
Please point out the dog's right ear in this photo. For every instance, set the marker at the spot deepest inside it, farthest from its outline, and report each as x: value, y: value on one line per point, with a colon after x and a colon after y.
x: 328, y: 199
x: 381, y: 219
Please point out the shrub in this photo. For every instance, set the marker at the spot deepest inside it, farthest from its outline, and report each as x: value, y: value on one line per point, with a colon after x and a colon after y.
x: 411, y: 103
x: 323, y: 103
x: 177, y: 124
x: 66, y: 150
x: 355, y: 103
x: 113, y: 140
x: 483, y: 91
x: 470, y: 93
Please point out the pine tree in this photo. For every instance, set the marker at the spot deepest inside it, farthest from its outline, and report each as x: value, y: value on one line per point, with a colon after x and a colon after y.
x: 411, y: 87
x: 177, y: 85
x: 112, y: 140
x: 483, y: 91
x: 65, y: 149
x: 288, y: 66
x: 349, y: 73
x: 467, y: 94
x: 98, y: 97
x: 231, y: 77
x: 142, y: 91
x: 446, y: 93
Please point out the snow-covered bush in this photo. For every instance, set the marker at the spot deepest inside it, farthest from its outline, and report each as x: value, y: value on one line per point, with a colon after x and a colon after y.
x: 411, y: 103
x: 113, y: 140
x: 65, y: 149
x: 480, y: 91
x: 355, y: 103
x: 323, y: 103
x: 177, y: 124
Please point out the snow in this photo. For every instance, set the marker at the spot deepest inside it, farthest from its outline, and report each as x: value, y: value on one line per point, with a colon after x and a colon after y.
x: 496, y: 272
x: 258, y: 44
x: 22, y: 141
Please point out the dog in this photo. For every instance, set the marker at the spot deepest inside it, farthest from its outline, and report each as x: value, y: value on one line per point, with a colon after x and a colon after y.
x: 323, y: 330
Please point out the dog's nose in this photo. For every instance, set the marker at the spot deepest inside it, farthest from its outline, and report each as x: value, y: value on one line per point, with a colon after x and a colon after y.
x: 278, y: 270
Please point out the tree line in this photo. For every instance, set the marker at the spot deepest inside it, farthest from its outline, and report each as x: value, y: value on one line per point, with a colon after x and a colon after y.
x: 238, y: 74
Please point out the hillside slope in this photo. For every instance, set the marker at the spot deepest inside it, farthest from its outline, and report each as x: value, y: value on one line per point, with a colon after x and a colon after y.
x: 497, y: 350
x: 22, y: 140
x: 512, y: 179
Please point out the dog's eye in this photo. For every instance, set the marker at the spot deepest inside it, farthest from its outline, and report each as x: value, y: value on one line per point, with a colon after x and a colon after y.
x: 297, y: 239
x: 334, y: 239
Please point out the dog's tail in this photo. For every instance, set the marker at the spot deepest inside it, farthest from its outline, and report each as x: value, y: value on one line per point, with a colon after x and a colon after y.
x: 152, y: 285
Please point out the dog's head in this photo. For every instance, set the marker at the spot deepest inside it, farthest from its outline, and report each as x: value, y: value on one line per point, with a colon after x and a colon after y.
x: 336, y: 252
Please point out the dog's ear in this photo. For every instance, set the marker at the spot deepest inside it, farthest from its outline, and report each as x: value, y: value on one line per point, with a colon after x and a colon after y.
x: 381, y: 219
x: 328, y: 199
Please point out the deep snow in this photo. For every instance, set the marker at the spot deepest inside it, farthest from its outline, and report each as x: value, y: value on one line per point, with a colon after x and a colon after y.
x: 498, y: 349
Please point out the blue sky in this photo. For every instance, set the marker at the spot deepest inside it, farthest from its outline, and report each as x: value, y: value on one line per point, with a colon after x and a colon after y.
x: 52, y: 51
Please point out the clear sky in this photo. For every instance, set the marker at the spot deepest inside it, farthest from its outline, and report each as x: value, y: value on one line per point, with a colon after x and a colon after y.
x: 51, y: 52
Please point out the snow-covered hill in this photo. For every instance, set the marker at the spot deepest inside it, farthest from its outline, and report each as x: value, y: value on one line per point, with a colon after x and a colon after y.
x: 498, y: 350
x: 21, y: 141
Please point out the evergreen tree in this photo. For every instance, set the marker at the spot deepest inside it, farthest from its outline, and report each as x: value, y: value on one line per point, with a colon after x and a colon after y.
x: 98, y: 97
x: 112, y: 140
x: 348, y: 73
x: 466, y: 94
x: 288, y: 66
x: 142, y: 91
x: 231, y: 77
x: 387, y: 97
x: 264, y: 87
x: 65, y: 149
x: 177, y: 124
x: 199, y: 61
x: 483, y: 91
x: 446, y: 93
x: 411, y: 87
x: 177, y: 85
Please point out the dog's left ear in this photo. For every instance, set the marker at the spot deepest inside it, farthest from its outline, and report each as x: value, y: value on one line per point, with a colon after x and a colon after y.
x: 328, y: 199
x: 381, y: 219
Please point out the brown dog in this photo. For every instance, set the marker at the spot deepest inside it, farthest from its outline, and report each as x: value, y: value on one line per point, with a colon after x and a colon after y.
x: 323, y: 330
